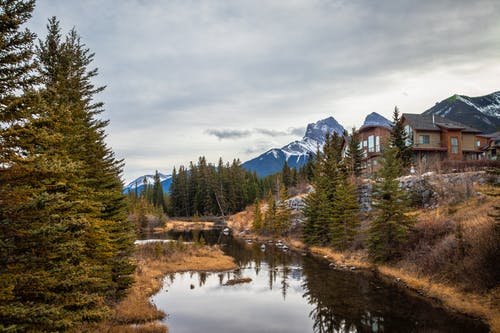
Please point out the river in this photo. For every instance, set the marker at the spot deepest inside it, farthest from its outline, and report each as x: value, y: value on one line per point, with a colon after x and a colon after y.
x: 291, y: 292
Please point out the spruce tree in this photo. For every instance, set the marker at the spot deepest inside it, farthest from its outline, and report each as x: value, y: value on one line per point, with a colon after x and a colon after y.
x: 345, y: 214
x: 270, y: 214
x: 319, y: 206
x: 398, y: 140
x: 258, y: 221
x: 354, y: 154
x: 390, y: 228
x: 283, y: 214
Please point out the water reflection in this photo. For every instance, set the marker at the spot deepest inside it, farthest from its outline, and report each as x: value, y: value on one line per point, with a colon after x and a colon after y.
x: 291, y: 293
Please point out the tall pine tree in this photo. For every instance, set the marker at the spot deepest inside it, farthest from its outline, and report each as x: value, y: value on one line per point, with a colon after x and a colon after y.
x: 399, y: 140
x: 390, y: 228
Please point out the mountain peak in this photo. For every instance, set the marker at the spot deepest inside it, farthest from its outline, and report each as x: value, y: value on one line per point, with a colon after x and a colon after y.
x: 297, y: 152
x: 375, y: 119
x: 318, y: 130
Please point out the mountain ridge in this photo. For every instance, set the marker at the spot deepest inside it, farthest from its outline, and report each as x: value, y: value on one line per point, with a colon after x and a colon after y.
x: 295, y: 153
x: 482, y: 112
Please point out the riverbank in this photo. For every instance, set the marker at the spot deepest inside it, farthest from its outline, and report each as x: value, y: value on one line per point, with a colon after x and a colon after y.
x: 135, y: 313
x: 450, y: 258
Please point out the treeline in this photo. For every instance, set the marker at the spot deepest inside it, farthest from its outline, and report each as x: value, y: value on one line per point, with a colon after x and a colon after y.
x: 332, y: 214
x: 65, y: 242
x: 206, y: 189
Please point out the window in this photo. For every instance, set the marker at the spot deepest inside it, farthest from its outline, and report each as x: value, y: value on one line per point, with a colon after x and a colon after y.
x: 377, y: 143
x: 478, y: 143
x: 409, y: 135
x: 454, y: 145
x: 371, y: 143
x: 424, y: 139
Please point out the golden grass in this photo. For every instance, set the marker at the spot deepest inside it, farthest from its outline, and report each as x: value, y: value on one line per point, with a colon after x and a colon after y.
x: 135, y: 313
x: 483, y: 306
x: 185, y: 226
x: 358, y: 259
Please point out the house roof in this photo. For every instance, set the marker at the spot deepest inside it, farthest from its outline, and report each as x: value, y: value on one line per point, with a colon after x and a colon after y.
x: 491, y: 135
x: 435, y: 123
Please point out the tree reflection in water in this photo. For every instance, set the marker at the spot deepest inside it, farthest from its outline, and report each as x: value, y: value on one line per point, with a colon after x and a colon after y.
x: 293, y: 293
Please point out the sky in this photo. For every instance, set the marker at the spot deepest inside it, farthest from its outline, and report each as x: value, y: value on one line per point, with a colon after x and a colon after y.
x: 234, y: 78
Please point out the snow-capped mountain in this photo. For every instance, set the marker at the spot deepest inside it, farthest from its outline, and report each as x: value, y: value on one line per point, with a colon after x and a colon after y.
x: 375, y: 119
x: 297, y: 152
x: 482, y: 113
x: 165, y: 180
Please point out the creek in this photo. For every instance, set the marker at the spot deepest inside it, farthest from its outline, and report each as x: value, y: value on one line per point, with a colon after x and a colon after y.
x: 292, y: 292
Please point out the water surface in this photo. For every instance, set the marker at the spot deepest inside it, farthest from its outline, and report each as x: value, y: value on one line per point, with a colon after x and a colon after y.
x: 292, y: 293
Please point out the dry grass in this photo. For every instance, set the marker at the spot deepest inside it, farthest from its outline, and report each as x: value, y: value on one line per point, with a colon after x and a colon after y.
x: 154, y: 260
x: 242, y: 220
x: 485, y: 306
x: 185, y: 226
x: 358, y: 259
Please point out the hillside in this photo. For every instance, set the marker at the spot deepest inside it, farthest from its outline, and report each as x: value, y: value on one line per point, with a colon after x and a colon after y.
x: 482, y: 113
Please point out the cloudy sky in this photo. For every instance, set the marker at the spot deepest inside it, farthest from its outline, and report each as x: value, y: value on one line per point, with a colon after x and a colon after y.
x: 233, y: 78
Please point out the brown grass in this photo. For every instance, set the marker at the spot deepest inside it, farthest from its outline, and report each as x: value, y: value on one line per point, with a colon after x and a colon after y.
x: 434, y: 264
x: 154, y: 260
x: 185, y: 225
x: 357, y: 259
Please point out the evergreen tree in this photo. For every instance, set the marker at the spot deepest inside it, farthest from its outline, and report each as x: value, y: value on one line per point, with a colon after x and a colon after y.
x: 345, y: 214
x: 283, y: 213
x: 270, y: 214
x: 158, y: 195
x: 390, y: 228
x: 65, y: 240
x: 398, y: 140
x: 258, y: 221
x: 16, y: 67
x: 354, y: 154
x: 319, y: 205
x: 286, y: 175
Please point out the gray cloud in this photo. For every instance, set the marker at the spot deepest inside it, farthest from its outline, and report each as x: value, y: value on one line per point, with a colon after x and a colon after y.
x: 275, y: 64
x: 237, y: 134
x: 228, y: 133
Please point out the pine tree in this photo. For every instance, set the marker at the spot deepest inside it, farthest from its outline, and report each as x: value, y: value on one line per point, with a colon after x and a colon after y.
x: 354, y: 154
x: 319, y: 207
x: 258, y: 221
x: 270, y: 214
x: 283, y: 213
x: 65, y: 239
x: 390, y: 228
x: 398, y: 140
x: 345, y: 214
x: 16, y: 53
x: 158, y: 198
x: 286, y: 175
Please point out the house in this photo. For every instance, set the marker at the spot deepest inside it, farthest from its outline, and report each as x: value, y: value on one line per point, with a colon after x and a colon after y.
x: 489, y: 144
x: 435, y: 139
x: 374, y: 134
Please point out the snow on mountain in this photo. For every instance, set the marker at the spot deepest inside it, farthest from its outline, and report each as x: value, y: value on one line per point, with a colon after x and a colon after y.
x: 139, y: 182
x: 375, y: 119
x: 297, y: 152
x: 482, y: 113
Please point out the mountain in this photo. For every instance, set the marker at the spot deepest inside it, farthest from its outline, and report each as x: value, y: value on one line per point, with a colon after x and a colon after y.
x: 297, y: 152
x: 375, y: 119
x: 482, y: 113
x: 165, y: 180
